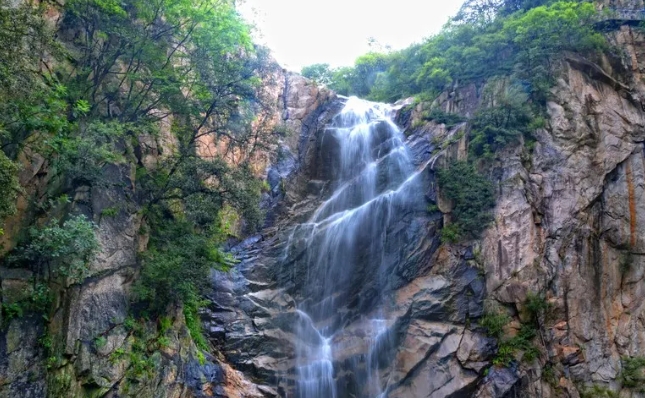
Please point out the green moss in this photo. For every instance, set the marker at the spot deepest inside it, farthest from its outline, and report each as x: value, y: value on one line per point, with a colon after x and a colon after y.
x: 201, y: 358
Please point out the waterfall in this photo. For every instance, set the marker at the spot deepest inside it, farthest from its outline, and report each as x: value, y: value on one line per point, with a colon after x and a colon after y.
x: 346, y: 244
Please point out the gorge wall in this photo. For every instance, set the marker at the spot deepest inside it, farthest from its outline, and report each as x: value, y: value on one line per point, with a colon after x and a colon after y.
x: 569, y: 224
x: 89, y: 346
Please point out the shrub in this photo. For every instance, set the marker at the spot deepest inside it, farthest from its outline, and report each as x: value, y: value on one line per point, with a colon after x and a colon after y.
x: 633, y: 373
x: 502, y: 123
x: 56, y: 251
x: 440, y: 116
x: 536, y: 305
x: 494, y: 322
x: 37, y: 299
x: 9, y: 186
x: 176, y: 266
x: 451, y: 233
x: 472, y: 198
x: 194, y: 325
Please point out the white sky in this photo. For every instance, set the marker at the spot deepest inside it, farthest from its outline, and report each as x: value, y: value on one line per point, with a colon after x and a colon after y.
x: 305, y: 32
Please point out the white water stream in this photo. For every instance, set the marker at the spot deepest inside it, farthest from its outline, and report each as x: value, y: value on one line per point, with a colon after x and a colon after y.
x: 345, y: 242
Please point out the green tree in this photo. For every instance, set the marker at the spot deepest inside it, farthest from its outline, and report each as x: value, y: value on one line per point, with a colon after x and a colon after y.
x: 543, y: 34
x: 522, y: 38
x: 56, y: 250
x: 319, y: 73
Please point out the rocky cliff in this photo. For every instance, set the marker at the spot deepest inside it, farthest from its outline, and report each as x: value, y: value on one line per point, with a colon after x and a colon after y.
x: 90, y: 345
x: 568, y: 227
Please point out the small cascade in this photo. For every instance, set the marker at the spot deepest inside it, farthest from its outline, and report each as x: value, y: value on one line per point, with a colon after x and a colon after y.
x: 345, y: 244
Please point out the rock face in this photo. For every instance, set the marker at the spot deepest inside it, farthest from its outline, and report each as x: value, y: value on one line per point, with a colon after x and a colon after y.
x: 423, y: 346
x: 88, y: 347
x: 569, y: 223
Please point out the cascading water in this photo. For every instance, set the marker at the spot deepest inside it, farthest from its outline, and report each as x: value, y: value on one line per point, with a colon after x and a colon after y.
x: 347, y: 242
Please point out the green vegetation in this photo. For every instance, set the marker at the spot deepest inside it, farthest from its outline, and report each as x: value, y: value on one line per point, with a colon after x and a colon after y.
x: 522, y: 39
x: 194, y: 324
x: 522, y: 341
x: 52, y: 252
x: 94, y: 95
x: 513, y: 45
x: 472, y: 197
x: 496, y: 319
x: 597, y: 391
x: 508, y: 118
x: 55, y: 250
x: 319, y: 73
x: 441, y: 117
x: 100, y: 342
x: 9, y: 186
x: 176, y: 265
x: 633, y: 373
x: 36, y: 299
x: 537, y: 308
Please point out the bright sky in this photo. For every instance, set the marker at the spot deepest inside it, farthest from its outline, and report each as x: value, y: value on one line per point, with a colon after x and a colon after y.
x: 305, y: 32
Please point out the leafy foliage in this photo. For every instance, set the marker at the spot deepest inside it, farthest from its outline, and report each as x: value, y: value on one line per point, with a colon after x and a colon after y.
x: 633, y: 373
x: 522, y: 341
x: 441, y: 117
x: 494, y: 321
x: 194, y: 324
x: 176, y: 266
x: 523, y: 38
x: 126, y: 66
x: 56, y: 250
x: 117, y: 82
x: 509, y: 118
x: 536, y: 306
x: 37, y: 298
x: 9, y: 186
x: 472, y: 197
x: 319, y: 73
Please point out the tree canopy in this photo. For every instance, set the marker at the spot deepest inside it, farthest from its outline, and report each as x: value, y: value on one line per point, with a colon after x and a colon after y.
x: 487, y: 38
x: 85, y: 93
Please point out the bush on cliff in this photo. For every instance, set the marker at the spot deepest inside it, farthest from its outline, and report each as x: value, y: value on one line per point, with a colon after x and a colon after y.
x: 58, y: 250
x: 507, y: 119
x: 472, y: 198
